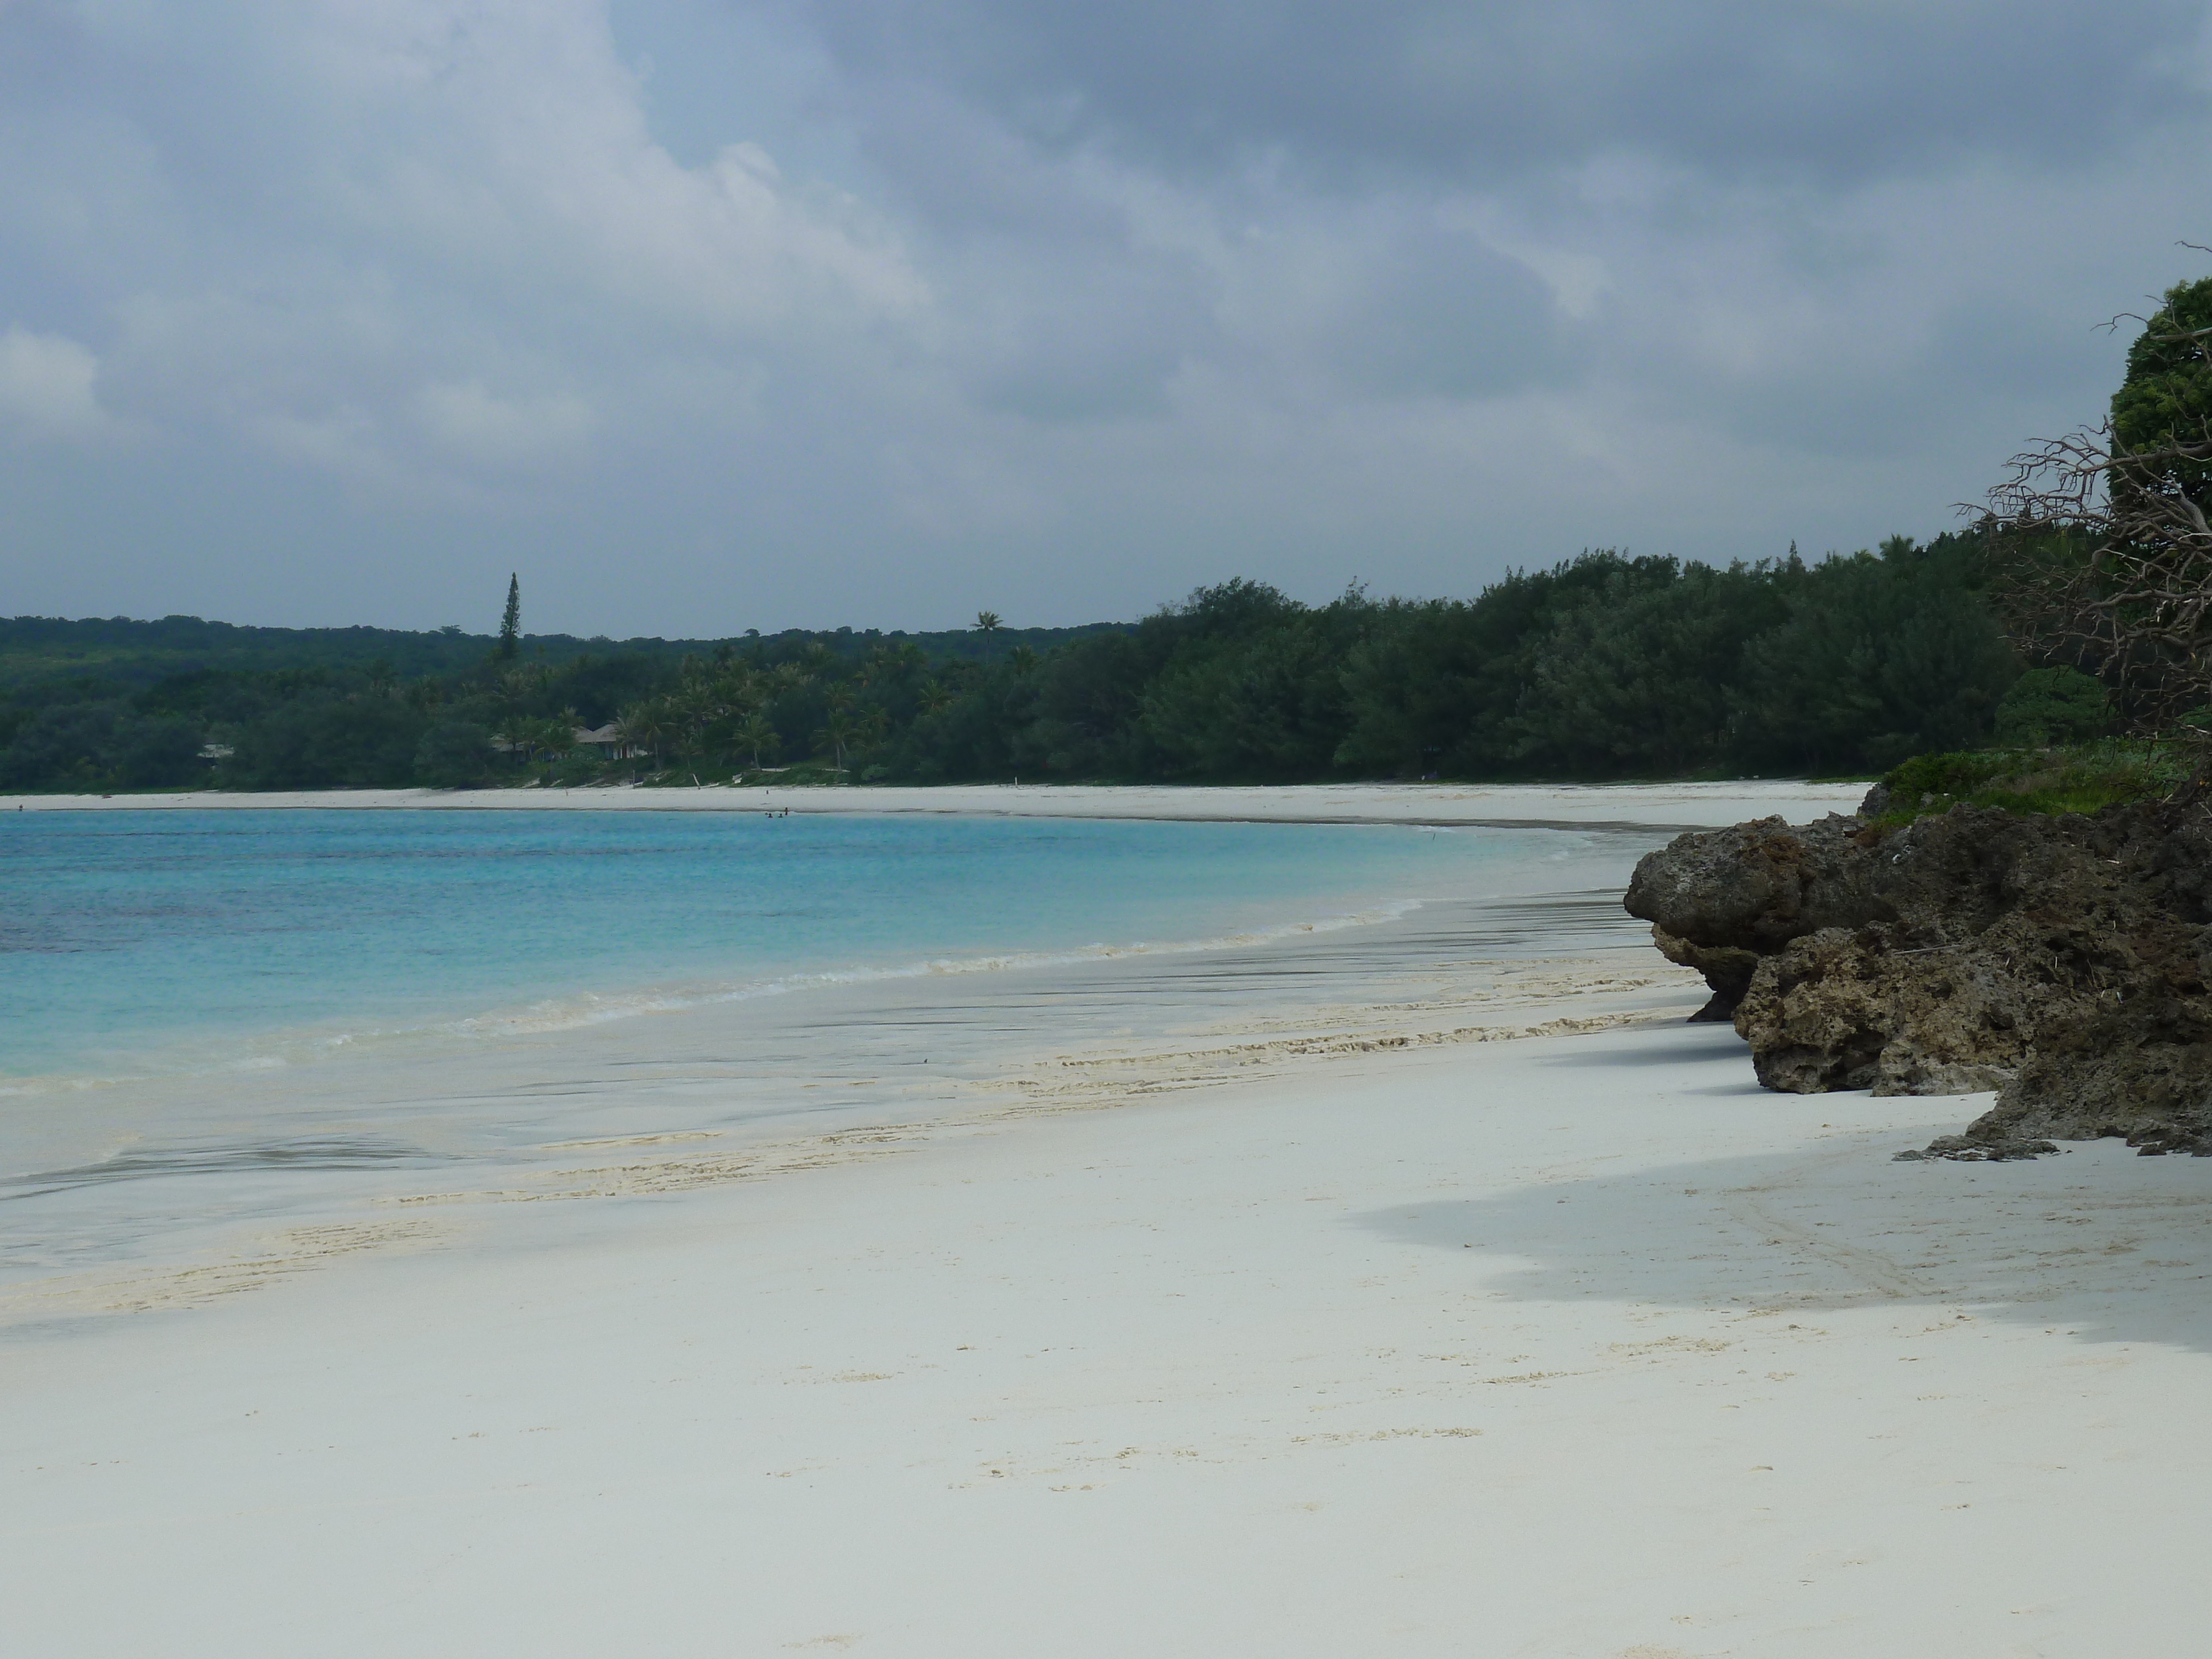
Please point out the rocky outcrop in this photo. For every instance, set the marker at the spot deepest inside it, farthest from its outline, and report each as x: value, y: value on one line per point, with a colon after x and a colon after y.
x: 2061, y: 961
x: 1720, y: 901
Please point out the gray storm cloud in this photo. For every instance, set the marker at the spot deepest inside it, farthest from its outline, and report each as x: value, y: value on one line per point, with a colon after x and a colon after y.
x: 712, y: 315
x: 1836, y: 92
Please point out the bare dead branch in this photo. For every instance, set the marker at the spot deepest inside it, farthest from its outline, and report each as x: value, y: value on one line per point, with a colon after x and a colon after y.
x: 2110, y: 563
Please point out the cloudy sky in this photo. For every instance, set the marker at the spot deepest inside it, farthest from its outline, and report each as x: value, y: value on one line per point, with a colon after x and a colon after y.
x: 706, y: 315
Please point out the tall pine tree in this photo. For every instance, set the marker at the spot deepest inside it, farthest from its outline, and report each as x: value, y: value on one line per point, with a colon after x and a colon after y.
x: 510, y: 624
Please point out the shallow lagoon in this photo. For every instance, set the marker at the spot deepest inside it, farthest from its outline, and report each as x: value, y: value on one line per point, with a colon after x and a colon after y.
x: 229, y: 1018
x: 154, y: 942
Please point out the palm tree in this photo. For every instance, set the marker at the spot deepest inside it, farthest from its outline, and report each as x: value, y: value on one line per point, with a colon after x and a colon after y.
x: 840, y: 729
x: 846, y: 725
x: 551, y: 737
x: 988, y: 624
x: 740, y: 690
x: 694, y: 710
x: 643, y: 725
x: 889, y: 662
x: 757, y: 732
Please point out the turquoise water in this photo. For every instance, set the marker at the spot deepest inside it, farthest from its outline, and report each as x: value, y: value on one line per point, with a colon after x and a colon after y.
x: 138, y: 942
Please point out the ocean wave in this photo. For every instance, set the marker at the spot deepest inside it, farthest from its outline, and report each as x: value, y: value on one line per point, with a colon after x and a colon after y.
x: 275, y: 1050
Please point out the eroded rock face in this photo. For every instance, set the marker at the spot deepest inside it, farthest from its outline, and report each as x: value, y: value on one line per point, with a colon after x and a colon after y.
x: 2062, y: 961
x: 1841, y: 1009
x: 2144, y: 1072
x: 1720, y: 900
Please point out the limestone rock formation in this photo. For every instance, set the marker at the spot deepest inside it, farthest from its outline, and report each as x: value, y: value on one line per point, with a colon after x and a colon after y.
x: 1720, y: 900
x: 2062, y: 961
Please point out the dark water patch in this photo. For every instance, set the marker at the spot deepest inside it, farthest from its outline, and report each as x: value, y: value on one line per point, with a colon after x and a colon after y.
x: 149, y: 1163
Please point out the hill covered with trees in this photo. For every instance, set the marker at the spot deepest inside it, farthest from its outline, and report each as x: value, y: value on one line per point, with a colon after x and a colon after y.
x: 1603, y: 666
x: 39, y: 652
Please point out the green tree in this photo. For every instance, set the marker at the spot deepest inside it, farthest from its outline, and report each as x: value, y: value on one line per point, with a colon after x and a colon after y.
x: 1443, y: 686
x: 840, y: 730
x: 99, y: 745
x: 2047, y: 705
x: 645, y: 726
x: 340, y: 744
x: 510, y: 622
x: 1882, y: 655
x: 1638, y: 678
x: 547, y: 738
x: 2106, y: 534
x: 1086, y: 716
x: 756, y: 735
x: 691, y: 711
x: 2162, y: 413
x: 452, y: 754
x: 1251, y: 683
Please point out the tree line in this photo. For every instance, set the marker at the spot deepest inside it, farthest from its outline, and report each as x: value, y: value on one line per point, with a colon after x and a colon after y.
x: 36, y: 651
x: 1602, y: 667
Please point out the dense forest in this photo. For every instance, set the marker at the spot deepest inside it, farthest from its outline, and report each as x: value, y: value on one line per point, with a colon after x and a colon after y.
x: 35, y: 649
x: 1604, y: 667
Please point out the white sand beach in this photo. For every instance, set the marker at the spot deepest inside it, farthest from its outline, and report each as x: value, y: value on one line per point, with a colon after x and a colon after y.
x: 1687, y: 804
x: 1505, y: 1316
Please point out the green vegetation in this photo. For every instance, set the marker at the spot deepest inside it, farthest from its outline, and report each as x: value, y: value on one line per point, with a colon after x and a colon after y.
x: 2047, y: 705
x: 2101, y: 537
x: 1604, y: 667
x: 2102, y: 573
x: 2165, y: 399
x: 2083, y: 777
x: 510, y: 622
x: 40, y: 651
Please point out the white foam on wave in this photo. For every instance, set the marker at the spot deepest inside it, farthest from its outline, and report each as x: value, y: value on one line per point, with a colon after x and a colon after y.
x: 576, y: 1014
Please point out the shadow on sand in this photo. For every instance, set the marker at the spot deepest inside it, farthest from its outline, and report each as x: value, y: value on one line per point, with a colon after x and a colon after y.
x: 2097, y: 1241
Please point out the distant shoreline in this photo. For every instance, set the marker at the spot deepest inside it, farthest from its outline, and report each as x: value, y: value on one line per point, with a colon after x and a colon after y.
x: 1652, y: 805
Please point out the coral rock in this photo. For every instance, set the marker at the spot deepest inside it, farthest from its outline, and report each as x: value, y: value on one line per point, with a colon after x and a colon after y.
x: 2062, y: 961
